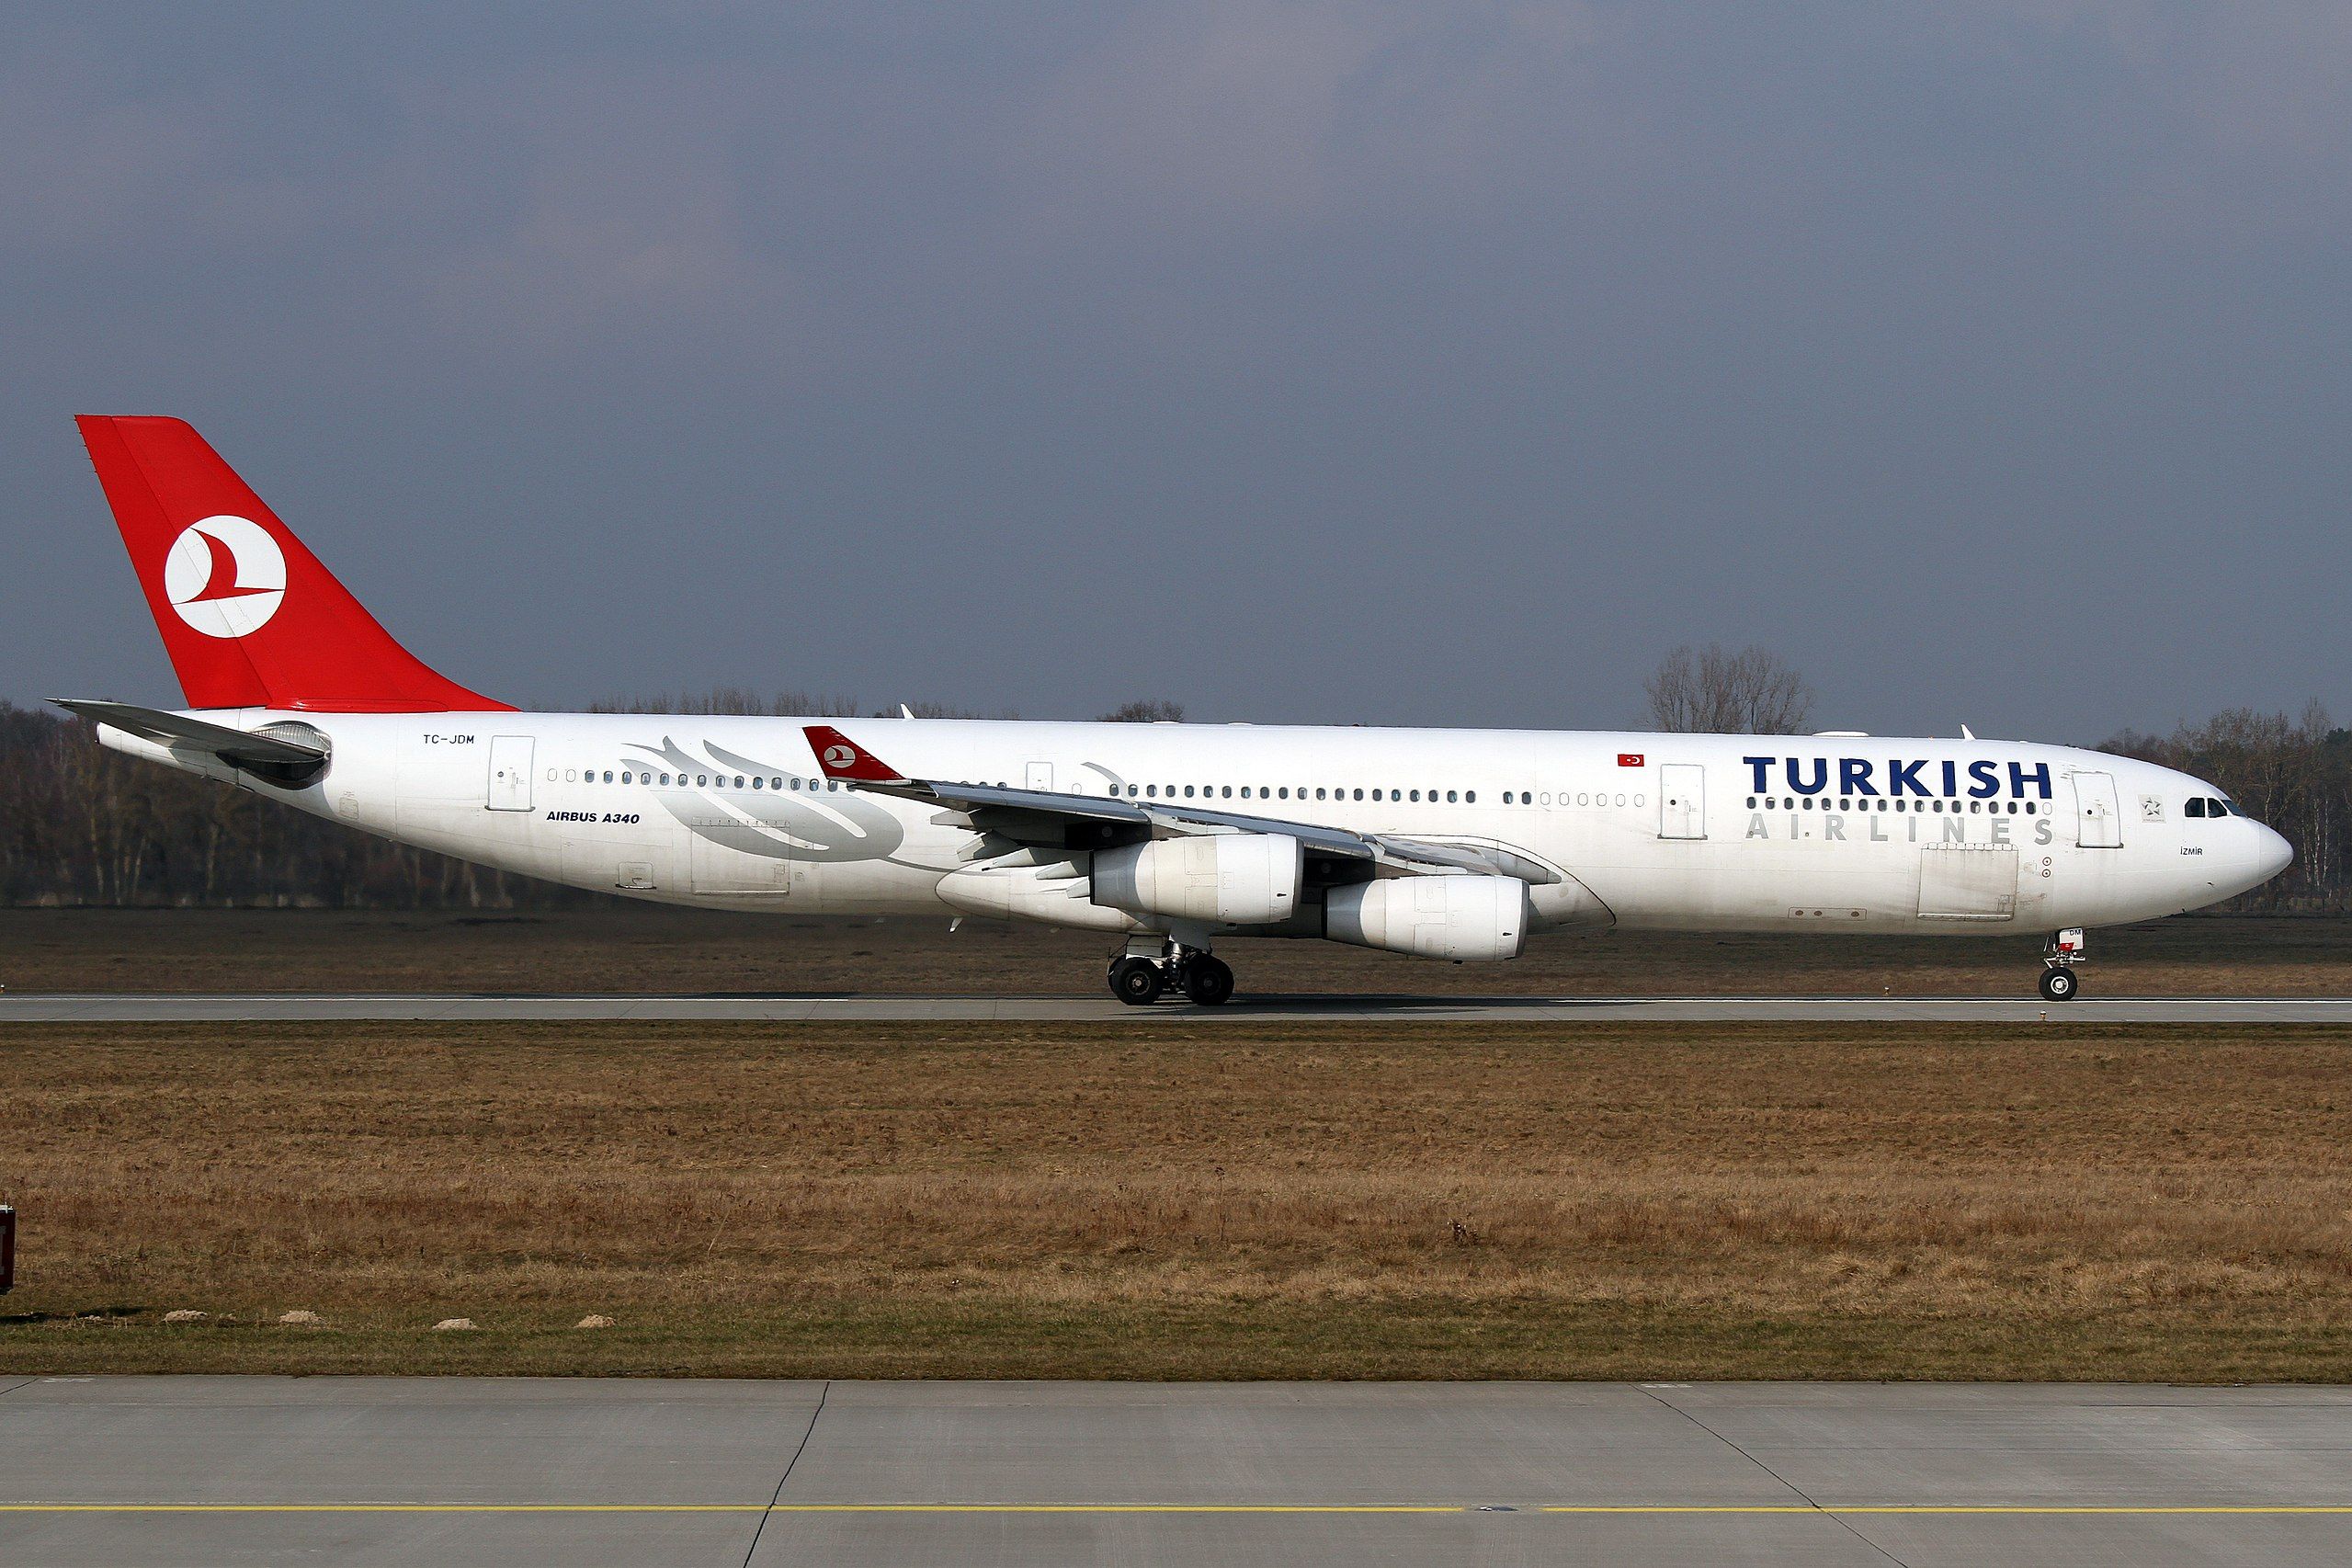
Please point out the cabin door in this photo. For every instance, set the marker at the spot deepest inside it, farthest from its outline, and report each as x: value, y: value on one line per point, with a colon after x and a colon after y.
x: 2100, y: 824
x: 1682, y: 801
x: 510, y: 773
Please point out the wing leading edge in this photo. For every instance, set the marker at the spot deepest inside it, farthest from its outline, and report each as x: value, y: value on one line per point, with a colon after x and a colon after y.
x: 1088, y: 821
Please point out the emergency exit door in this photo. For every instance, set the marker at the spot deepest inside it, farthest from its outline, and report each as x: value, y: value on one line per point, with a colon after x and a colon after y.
x: 510, y: 773
x: 2100, y: 822
x: 1682, y: 801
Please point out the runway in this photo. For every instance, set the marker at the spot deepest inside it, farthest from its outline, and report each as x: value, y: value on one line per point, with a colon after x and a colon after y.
x: 131, y: 1008
x: 134, y: 1471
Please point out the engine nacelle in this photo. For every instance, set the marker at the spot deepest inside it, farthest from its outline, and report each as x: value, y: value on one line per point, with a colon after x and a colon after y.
x: 1468, y: 917
x: 1231, y: 879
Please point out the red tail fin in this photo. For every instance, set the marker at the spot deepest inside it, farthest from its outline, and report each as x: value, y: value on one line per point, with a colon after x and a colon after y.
x: 250, y: 617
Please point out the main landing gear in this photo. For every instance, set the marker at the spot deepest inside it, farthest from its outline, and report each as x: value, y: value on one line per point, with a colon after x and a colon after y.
x: 2059, y: 959
x: 1139, y: 978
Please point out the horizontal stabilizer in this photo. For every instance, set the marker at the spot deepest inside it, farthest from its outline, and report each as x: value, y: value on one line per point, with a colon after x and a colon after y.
x: 196, y: 735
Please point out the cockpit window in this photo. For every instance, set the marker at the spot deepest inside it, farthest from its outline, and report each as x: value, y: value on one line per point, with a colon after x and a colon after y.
x: 2222, y: 808
x: 2196, y: 807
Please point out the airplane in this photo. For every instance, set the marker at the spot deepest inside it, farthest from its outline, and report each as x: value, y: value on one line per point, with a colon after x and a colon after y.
x: 1440, y: 843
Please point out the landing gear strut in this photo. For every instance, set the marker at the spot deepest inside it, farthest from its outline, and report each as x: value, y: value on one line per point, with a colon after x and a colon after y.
x: 1151, y: 966
x: 2059, y: 959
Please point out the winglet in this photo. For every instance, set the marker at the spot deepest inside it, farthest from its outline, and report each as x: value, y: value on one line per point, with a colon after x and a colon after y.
x: 841, y: 758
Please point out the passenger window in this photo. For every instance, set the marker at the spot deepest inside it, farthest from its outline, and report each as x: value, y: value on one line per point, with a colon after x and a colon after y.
x: 1319, y: 794
x: 1471, y: 799
x: 1359, y: 794
x: 1449, y: 794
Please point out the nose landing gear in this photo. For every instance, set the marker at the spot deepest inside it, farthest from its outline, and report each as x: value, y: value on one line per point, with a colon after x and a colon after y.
x: 2059, y: 959
x: 1139, y: 978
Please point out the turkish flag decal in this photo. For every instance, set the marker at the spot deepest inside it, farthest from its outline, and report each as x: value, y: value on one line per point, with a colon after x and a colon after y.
x: 1628, y: 759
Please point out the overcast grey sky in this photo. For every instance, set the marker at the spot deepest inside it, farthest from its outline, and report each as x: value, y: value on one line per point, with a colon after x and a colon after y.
x: 1418, y: 364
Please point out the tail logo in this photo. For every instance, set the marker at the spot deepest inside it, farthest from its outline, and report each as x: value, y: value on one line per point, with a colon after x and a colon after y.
x: 839, y: 757
x: 225, y: 576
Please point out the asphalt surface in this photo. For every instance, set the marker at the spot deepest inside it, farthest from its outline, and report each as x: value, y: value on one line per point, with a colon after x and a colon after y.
x: 124, y: 1471
x: 127, y: 1007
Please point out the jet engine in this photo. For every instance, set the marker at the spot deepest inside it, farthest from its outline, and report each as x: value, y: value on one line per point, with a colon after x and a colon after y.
x: 1233, y: 878
x: 1432, y: 917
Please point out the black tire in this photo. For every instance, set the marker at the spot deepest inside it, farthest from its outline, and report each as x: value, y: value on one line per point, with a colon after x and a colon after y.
x: 1208, y: 982
x: 2059, y: 984
x: 1136, y: 981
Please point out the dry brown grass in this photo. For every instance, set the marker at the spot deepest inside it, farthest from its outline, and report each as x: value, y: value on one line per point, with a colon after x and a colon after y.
x: 640, y: 948
x: 1241, y: 1198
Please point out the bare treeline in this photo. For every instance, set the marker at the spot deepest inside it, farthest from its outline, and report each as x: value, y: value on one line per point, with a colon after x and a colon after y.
x: 1715, y: 691
x: 82, y: 824
x: 740, y: 700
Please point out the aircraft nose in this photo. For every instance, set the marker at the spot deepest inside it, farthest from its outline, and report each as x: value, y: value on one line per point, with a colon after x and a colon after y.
x: 2273, y: 853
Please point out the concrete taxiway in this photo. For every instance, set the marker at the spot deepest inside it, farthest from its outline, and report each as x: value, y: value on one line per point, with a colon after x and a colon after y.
x: 132, y: 1470
x: 124, y: 1007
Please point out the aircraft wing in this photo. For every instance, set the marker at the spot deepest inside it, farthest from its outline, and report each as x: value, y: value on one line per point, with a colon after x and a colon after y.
x: 1086, y: 821
x: 195, y: 734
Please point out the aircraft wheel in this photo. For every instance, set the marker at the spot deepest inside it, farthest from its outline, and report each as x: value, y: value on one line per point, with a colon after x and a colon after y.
x: 1208, y: 982
x: 1136, y: 981
x: 2059, y: 984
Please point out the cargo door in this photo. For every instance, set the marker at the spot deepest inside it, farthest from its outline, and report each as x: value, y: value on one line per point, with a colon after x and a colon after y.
x: 1041, y: 776
x: 2100, y: 823
x: 614, y: 867
x: 1968, y: 881
x: 1682, y: 801
x: 720, y: 869
x: 510, y: 773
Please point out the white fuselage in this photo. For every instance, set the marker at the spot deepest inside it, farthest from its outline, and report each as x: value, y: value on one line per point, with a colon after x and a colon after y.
x: 1647, y: 831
